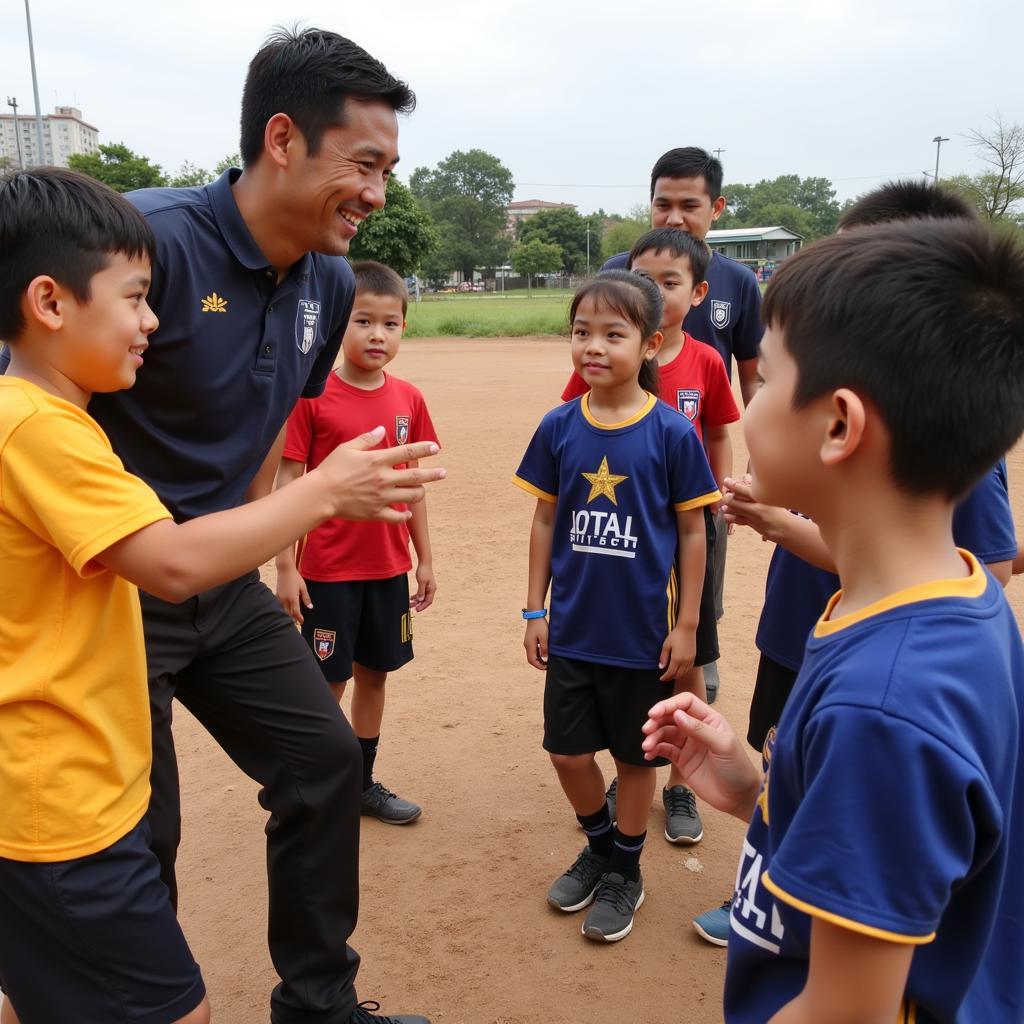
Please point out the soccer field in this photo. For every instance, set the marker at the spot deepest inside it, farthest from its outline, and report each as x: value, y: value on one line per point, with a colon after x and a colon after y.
x: 512, y: 315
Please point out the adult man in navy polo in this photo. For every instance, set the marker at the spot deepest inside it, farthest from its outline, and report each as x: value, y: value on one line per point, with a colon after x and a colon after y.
x: 253, y: 295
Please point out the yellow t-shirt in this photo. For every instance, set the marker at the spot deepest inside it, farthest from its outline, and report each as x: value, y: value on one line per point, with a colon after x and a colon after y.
x: 75, y: 747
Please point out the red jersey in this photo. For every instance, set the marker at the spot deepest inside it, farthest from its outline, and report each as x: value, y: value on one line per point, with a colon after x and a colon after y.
x: 340, y: 549
x: 694, y: 383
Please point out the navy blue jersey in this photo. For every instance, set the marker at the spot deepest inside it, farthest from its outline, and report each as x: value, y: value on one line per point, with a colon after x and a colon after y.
x: 614, y: 560
x: 729, y: 318
x: 796, y: 591
x: 234, y: 351
x: 891, y: 806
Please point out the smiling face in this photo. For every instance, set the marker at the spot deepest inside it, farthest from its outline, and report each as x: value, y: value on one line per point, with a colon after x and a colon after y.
x: 373, y: 333
x: 607, y: 350
x: 674, y: 277
x: 330, y: 194
x: 685, y: 203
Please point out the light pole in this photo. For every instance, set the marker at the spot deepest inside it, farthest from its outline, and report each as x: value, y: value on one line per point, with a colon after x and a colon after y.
x: 35, y: 89
x: 588, y: 248
x: 718, y: 153
x: 12, y: 102
x: 938, y: 140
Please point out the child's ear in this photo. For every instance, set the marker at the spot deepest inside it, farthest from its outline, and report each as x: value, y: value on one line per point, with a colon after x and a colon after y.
x: 44, y: 302
x: 845, y: 432
x: 699, y: 294
x: 654, y: 343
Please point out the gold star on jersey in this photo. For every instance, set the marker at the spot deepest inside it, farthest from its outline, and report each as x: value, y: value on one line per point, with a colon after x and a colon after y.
x: 603, y: 482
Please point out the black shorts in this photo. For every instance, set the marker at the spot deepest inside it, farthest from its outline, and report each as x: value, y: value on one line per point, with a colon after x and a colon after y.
x: 95, y: 940
x: 590, y: 707
x: 772, y: 688
x: 364, y: 621
x: 707, y: 623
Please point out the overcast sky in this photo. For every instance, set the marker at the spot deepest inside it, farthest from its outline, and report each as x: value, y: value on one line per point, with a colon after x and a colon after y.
x: 576, y: 97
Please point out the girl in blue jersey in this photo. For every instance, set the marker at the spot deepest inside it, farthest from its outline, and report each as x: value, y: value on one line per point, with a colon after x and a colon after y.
x: 621, y: 481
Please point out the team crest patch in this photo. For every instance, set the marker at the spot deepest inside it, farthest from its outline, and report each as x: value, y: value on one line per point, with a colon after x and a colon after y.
x: 323, y: 643
x: 688, y: 403
x: 401, y: 429
x: 307, y: 316
x: 721, y: 312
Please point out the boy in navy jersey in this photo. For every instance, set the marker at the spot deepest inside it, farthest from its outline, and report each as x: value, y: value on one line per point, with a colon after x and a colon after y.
x: 878, y: 878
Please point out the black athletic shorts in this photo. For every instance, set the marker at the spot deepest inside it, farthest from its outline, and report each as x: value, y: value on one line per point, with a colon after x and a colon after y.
x: 364, y: 621
x: 590, y: 707
x: 772, y: 688
x: 95, y: 939
x: 707, y: 624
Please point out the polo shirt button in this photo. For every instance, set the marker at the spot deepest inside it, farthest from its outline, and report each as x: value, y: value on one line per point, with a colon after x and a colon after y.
x: 270, y: 309
x: 268, y: 349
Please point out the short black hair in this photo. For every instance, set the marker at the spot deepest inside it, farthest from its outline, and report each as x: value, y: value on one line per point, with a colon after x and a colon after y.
x: 924, y: 319
x: 63, y: 224
x: 905, y: 200
x: 378, y: 279
x: 689, y: 162
x: 308, y: 74
x: 678, y: 243
x: 636, y: 299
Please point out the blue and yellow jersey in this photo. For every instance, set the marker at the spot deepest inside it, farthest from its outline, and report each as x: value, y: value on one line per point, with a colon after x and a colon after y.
x: 889, y: 807
x: 614, y: 586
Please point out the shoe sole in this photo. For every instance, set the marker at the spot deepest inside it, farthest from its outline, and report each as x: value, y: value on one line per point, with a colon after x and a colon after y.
x: 575, y: 906
x: 392, y: 821
x: 685, y: 840
x: 595, y: 935
x: 708, y: 937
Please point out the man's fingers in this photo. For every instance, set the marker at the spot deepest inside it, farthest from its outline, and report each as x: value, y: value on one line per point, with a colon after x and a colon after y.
x: 393, y: 515
x: 408, y: 453
x: 414, y: 477
x: 364, y: 442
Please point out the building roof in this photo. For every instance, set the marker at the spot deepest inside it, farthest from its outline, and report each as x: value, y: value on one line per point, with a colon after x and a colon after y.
x: 771, y: 234
x: 538, y: 204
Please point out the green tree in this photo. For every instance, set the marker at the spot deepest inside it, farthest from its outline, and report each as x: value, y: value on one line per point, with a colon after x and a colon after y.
x: 402, y: 235
x: 536, y: 257
x: 225, y: 162
x: 189, y: 175
x: 568, y: 230
x: 998, y: 191
x: 466, y: 195
x: 623, y: 233
x: 117, y: 166
x: 807, y: 206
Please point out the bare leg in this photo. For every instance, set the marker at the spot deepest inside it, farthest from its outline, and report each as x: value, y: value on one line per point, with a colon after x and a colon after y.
x: 636, y: 791
x: 7, y: 1014
x: 338, y: 689
x: 582, y: 781
x: 691, y: 682
x: 368, y: 702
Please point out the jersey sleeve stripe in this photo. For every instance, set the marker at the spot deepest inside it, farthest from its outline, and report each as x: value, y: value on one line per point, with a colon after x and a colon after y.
x: 844, y: 922
x: 705, y: 499
x: 535, y: 491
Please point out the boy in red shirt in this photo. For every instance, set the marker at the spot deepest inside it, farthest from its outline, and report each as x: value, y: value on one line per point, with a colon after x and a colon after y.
x: 350, y: 591
x: 692, y: 379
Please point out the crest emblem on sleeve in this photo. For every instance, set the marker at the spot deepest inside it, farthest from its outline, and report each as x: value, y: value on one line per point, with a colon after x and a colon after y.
x: 401, y: 429
x: 323, y: 643
x: 307, y: 316
x: 721, y: 312
x: 688, y: 403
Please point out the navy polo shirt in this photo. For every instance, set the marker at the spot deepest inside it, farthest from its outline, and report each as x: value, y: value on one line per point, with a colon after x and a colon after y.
x: 729, y: 318
x: 234, y: 351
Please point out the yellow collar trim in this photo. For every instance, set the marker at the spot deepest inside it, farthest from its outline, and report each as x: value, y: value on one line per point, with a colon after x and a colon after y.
x: 968, y: 586
x: 635, y: 418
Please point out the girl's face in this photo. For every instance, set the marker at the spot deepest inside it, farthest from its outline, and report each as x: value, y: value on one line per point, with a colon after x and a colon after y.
x: 608, y: 350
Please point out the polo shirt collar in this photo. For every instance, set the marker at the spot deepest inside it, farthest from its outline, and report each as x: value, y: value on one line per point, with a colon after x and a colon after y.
x: 230, y: 222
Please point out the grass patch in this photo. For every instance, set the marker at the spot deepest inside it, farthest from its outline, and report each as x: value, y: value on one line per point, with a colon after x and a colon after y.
x: 489, y: 316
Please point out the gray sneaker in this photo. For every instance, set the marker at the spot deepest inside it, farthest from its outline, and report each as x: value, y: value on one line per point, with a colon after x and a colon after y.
x: 380, y: 803
x: 575, y: 889
x: 611, y: 917
x: 365, y: 1013
x: 682, y: 822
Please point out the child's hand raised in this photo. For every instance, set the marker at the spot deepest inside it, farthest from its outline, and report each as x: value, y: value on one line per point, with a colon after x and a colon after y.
x: 740, y: 508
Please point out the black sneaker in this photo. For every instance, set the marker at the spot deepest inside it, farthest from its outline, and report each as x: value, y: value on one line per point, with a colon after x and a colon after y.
x: 682, y: 822
x: 575, y: 889
x: 362, y: 1015
x: 613, y: 790
x: 616, y: 901
x: 380, y: 803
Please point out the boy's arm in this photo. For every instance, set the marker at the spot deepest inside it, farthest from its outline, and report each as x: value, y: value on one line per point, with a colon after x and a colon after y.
x: 1018, y: 562
x: 426, y: 584
x: 263, y: 482
x: 542, y: 534
x: 291, y: 587
x: 719, y: 449
x: 746, y: 370
x: 852, y: 978
x: 680, y: 647
x: 173, y: 561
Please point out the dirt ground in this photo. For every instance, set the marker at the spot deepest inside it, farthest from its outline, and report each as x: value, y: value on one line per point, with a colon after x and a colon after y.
x: 453, y: 919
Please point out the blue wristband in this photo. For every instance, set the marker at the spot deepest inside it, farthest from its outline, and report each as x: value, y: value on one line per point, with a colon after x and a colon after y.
x: 539, y: 614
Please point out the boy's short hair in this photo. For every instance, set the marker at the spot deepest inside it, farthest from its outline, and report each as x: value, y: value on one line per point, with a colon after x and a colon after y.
x: 308, y: 74
x: 378, y: 279
x: 65, y: 225
x: 925, y: 320
x: 678, y: 243
x: 689, y: 162
x: 904, y: 200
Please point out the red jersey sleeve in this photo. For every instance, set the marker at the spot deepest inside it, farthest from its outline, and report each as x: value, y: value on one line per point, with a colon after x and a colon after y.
x: 298, y: 438
x: 422, y: 428
x: 577, y: 386
x: 719, y: 405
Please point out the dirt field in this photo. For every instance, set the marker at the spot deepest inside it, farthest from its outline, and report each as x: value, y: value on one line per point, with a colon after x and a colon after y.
x: 453, y: 919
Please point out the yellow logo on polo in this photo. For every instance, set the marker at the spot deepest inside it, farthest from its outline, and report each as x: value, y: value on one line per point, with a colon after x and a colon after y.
x: 213, y: 303
x: 603, y: 482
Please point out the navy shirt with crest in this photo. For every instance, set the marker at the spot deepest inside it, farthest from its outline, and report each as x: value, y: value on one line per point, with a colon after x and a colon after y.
x: 729, y: 318
x: 235, y: 350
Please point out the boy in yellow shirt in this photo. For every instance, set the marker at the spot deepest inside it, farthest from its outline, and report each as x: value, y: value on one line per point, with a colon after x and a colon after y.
x: 87, y: 930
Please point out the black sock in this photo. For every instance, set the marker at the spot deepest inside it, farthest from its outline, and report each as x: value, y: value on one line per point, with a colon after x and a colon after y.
x: 626, y: 852
x: 598, y: 828
x: 369, y: 756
